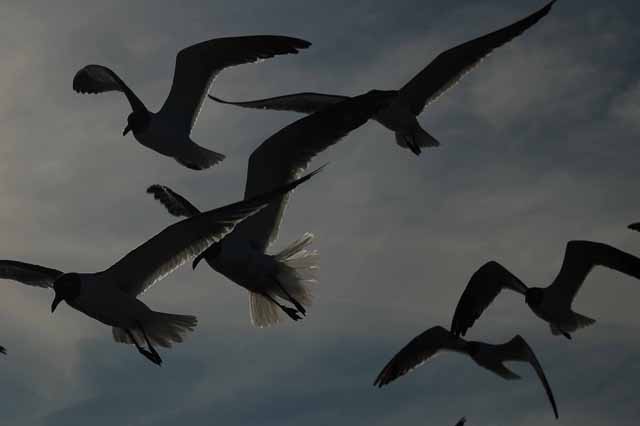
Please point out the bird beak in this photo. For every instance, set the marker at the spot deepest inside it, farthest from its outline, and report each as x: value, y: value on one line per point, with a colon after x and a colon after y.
x: 56, y: 301
x: 197, y: 260
x: 126, y: 130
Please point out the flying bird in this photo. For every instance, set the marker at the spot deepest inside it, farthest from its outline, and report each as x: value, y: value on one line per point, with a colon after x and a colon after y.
x: 552, y: 303
x: 111, y: 296
x: 492, y: 357
x: 461, y: 422
x: 635, y: 226
x: 3, y: 350
x: 168, y: 130
x: 423, y: 89
x: 277, y: 283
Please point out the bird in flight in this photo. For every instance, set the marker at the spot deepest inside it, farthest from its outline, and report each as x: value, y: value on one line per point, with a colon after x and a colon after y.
x: 241, y: 256
x: 423, y: 89
x: 635, y: 226
x: 552, y: 303
x: 168, y: 130
x: 111, y: 296
x: 492, y: 357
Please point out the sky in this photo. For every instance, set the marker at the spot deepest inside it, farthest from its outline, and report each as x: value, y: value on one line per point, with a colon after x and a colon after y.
x: 539, y: 147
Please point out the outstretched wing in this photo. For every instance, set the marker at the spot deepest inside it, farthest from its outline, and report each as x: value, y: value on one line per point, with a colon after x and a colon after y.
x: 286, y: 154
x: 484, y: 286
x: 184, y: 240
x: 98, y: 79
x: 579, y: 259
x: 517, y: 349
x: 198, y: 65
x: 27, y: 273
x: 305, y: 103
x: 175, y: 203
x: 418, y: 351
x: 450, y: 66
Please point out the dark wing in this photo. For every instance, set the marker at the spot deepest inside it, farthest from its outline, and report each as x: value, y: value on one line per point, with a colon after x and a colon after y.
x: 450, y: 66
x: 27, y: 273
x: 185, y: 240
x: 484, y: 286
x: 305, y: 103
x: 579, y: 259
x: 419, y: 350
x: 198, y: 65
x: 98, y: 79
x: 176, y: 204
x: 635, y: 226
x: 286, y: 154
x: 517, y: 349
x: 3, y: 350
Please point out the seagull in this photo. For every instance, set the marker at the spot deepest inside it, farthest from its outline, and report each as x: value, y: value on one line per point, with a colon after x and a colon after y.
x: 552, y: 303
x: 461, y: 422
x: 492, y: 357
x: 3, y: 351
x: 635, y: 226
x: 111, y: 296
x: 241, y: 256
x: 168, y: 131
x: 423, y: 89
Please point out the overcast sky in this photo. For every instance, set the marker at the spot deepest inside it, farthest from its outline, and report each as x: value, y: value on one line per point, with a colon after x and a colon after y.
x: 539, y: 146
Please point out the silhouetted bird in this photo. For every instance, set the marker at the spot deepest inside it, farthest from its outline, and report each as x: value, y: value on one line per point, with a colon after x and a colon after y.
x: 168, y: 131
x: 241, y: 255
x: 3, y: 350
x: 436, y: 78
x: 110, y: 296
x: 635, y: 226
x: 492, y: 357
x: 553, y: 303
x: 462, y: 421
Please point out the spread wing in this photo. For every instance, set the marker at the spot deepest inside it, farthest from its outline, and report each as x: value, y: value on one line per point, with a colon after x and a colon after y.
x: 98, y: 79
x: 286, y: 154
x: 175, y: 203
x: 198, y: 65
x: 305, y: 103
x: 635, y: 226
x: 184, y: 240
x: 580, y: 257
x: 450, y: 66
x: 418, y: 351
x: 484, y: 286
x: 517, y: 349
x: 27, y: 273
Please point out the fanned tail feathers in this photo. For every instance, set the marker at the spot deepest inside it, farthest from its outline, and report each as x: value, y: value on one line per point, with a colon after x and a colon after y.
x: 161, y: 329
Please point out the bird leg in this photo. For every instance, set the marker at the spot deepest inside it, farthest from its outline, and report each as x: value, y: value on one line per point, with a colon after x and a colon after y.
x: 147, y: 354
x: 565, y: 334
x: 291, y: 299
x: 292, y: 313
x: 411, y: 144
x: 156, y: 356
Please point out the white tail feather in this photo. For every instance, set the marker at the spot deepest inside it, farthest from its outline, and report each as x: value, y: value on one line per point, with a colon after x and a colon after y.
x: 161, y: 329
x: 296, y: 270
x: 417, y: 136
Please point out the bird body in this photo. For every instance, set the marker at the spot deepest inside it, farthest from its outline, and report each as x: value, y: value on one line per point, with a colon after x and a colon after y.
x: 437, y: 339
x: 400, y: 116
x: 168, y: 130
x: 242, y: 255
x: 552, y: 304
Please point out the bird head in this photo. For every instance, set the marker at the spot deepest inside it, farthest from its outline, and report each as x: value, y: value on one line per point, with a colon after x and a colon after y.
x: 137, y: 121
x: 534, y: 296
x: 67, y: 288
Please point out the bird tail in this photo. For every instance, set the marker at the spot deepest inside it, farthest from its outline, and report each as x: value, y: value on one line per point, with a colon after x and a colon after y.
x: 296, y: 270
x: 415, y: 138
x: 577, y: 322
x: 161, y: 329
x: 196, y: 157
